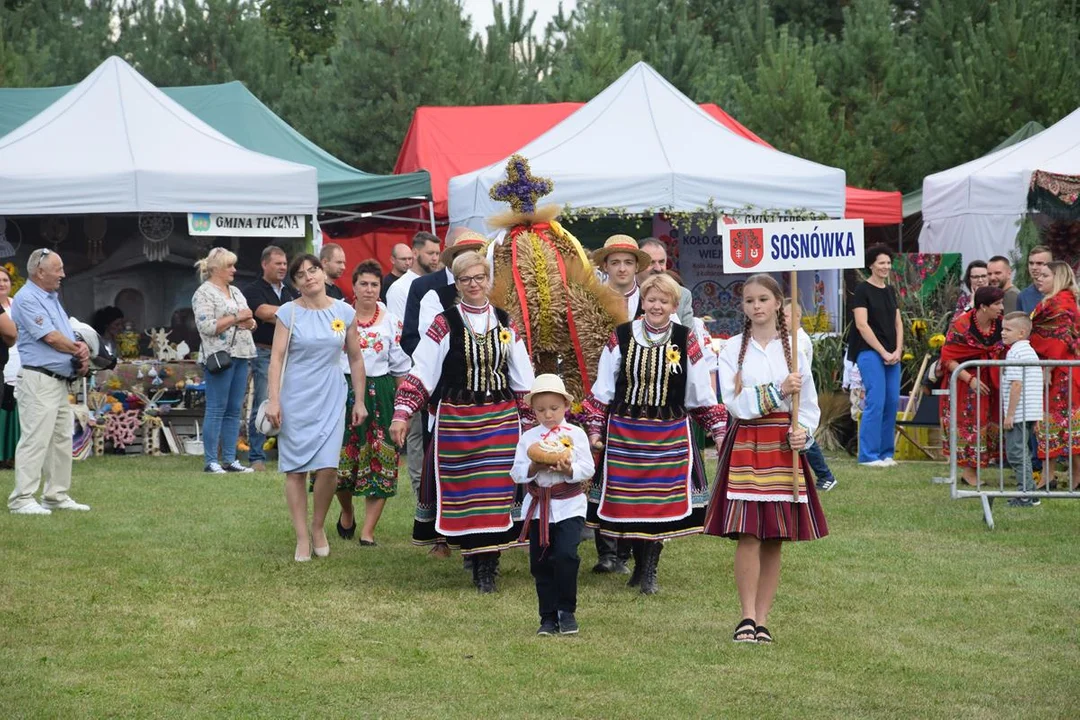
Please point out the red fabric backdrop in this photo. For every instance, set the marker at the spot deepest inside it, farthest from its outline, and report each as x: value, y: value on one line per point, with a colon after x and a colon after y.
x: 449, y: 141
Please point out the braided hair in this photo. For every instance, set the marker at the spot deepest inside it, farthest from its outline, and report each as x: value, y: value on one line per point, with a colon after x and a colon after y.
x: 767, y: 282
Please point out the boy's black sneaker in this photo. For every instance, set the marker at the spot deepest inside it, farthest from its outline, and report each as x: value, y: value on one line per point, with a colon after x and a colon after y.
x: 826, y: 484
x: 567, y: 623
x: 1024, y: 502
x: 548, y: 627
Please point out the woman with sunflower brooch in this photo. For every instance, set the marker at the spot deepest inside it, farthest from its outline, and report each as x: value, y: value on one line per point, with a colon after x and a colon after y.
x: 473, y: 369
x: 307, y: 393
x: 651, y: 375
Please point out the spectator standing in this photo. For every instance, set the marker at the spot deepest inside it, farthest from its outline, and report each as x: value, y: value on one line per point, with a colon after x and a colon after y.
x: 975, y: 277
x: 875, y: 344
x: 1039, y: 257
x: 1022, y: 398
x: 265, y: 295
x: 308, y: 403
x: 51, y: 359
x: 9, y: 355
x: 426, y: 260
x: 108, y: 322
x: 225, y: 323
x: 401, y: 261
x: 658, y: 265
x: 1000, y: 270
x: 332, y: 257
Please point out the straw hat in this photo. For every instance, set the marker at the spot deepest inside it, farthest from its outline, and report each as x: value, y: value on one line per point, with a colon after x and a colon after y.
x: 548, y: 383
x: 466, y: 241
x: 622, y: 244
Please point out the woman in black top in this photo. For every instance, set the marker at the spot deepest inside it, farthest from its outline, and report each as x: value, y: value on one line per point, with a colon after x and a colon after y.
x: 875, y: 345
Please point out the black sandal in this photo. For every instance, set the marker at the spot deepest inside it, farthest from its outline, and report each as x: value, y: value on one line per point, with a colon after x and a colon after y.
x: 346, y: 533
x: 745, y: 632
x: 761, y: 634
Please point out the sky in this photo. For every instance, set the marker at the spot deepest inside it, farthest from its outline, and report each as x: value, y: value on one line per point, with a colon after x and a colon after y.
x: 482, y: 16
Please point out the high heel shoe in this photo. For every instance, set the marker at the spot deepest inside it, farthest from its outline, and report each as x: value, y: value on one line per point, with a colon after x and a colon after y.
x: 322, y: 551
x: 301, y: 558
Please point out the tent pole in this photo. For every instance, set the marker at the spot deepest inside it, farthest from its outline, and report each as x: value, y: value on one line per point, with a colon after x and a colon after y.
x: 431, y: 215
x: 901, y: 235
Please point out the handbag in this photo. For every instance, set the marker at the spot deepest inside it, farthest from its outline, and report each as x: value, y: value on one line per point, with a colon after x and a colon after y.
x: 262, y: 423
x: 222, y: 359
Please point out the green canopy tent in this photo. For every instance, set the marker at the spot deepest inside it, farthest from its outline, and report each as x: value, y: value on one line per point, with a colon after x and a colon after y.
x: 236, y: 113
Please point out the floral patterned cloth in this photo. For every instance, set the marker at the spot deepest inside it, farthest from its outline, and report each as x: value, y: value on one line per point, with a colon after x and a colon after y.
x: 977, y: 431
x: 209, y: 305
x: 1055, y: 335
x: 369, y: 459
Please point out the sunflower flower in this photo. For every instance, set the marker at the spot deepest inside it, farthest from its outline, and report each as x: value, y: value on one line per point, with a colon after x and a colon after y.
x: 936, y: 341
x: 673, y: 359
x: 567, y: 441
x: 907, y: 357
x: 338, y: 326
x: 505, y: 337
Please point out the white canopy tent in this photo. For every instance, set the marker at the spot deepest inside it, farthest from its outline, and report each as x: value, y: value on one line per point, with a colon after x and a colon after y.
x: 116, y: 144
x: 975, y: 208
x: 641, y: 145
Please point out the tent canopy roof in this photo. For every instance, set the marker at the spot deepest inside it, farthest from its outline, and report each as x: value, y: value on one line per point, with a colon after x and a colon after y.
x: 913, y: 199
x: 115, y: 144
x: 611, y: 154
x: 450, y: 141
x: 997, y: 184
x: 237, y: 114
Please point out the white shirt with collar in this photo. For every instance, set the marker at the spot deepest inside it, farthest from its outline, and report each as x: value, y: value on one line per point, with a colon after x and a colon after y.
x: 430, y: 305
x: 581, y: 467
x: 398, y: 294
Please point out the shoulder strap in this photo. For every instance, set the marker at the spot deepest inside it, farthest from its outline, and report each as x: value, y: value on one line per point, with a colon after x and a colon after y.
x: 285, y: 360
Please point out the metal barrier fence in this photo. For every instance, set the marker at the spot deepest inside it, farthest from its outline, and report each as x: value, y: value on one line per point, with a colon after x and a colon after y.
x: 988, y: 491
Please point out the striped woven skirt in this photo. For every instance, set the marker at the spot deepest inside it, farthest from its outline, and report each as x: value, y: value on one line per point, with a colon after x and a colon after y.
x: 753, y: 465
x: 467, y: 474
x: 652, y: 475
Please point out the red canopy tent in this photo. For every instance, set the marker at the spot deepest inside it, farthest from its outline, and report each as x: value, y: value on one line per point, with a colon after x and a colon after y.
x: 449, y: 141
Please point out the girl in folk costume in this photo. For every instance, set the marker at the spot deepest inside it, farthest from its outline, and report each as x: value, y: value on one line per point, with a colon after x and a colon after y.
x: 651, y: 374
x: 474, y: 355
x: 753, y: 501
x: 974, y: 335
x: 369, y: 460
x: 1055, y: 335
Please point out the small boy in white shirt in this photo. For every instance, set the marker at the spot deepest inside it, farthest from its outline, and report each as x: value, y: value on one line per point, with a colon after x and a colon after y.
x: 1022, y: 399
x: 552, y: 460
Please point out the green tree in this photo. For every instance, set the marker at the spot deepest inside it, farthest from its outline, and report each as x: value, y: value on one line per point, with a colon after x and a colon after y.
x: 783, y: 102
x: 53, y: 42
x: 878, y: 84
x: 308, y: 25
x: 197, y: 42
x: 389, y: 57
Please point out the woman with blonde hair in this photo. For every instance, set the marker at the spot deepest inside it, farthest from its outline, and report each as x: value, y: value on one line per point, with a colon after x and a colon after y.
x: 651, y: 377
x: 9, y: 367
x: 225, y: 323
x: 472, y: 365
x: 1055, y: 335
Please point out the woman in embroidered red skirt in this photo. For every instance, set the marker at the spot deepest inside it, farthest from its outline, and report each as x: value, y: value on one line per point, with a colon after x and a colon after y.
x: 756, y: 500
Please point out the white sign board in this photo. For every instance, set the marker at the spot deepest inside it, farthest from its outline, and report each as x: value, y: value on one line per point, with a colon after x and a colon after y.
x: 207, y: 224
x: 784, y: 246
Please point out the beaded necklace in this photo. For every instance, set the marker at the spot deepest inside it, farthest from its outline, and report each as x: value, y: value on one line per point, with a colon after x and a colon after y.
x: 371, y: 321
x: 646, y: 328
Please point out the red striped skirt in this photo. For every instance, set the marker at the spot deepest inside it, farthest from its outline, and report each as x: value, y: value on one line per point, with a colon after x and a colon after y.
x: 764, y: 519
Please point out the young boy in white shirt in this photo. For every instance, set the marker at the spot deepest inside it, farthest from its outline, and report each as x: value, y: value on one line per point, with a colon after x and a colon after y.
x: 1022, y: 398
x: 552, y: 460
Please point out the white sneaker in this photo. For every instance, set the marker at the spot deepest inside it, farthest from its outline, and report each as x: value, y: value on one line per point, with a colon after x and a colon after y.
x: 65, y: 504
x: 889, y: 462
x: 31, y: 509
x: 874, y: 463
x: 214, y: 469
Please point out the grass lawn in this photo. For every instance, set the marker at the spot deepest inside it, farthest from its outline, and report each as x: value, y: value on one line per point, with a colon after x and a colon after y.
x: 177, y: 596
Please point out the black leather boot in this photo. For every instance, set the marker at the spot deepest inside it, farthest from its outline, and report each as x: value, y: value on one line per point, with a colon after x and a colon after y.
x: 486, y: 574
x: 638, y: 549
x: 623, y: 549
x: 651, y: 552
x: 605, y: 553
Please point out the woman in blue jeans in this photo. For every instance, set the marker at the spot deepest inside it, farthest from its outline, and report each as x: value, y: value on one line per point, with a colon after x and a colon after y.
x: 225, y: 323
x: 876, y: 344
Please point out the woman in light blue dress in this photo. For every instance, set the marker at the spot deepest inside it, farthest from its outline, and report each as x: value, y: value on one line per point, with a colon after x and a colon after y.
x: 309, y: 406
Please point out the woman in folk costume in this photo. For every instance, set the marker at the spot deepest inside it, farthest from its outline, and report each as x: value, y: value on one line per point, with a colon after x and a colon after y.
x: 473, y: 354
x: 651, y: 374
x: 974, y: 335
x: 1055, y: 335
x: 754, y: 501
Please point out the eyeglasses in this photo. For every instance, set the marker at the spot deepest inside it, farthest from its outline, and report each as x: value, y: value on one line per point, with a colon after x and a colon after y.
x: 472, y: 279
x: 310, y: 272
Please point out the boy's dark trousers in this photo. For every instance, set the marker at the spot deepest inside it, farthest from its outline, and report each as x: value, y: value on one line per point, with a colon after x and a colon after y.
x: 555, y: 567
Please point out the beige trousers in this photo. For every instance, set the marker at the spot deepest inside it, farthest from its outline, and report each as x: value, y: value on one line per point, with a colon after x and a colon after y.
x: 414, y: 451
x: 44, y: 450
